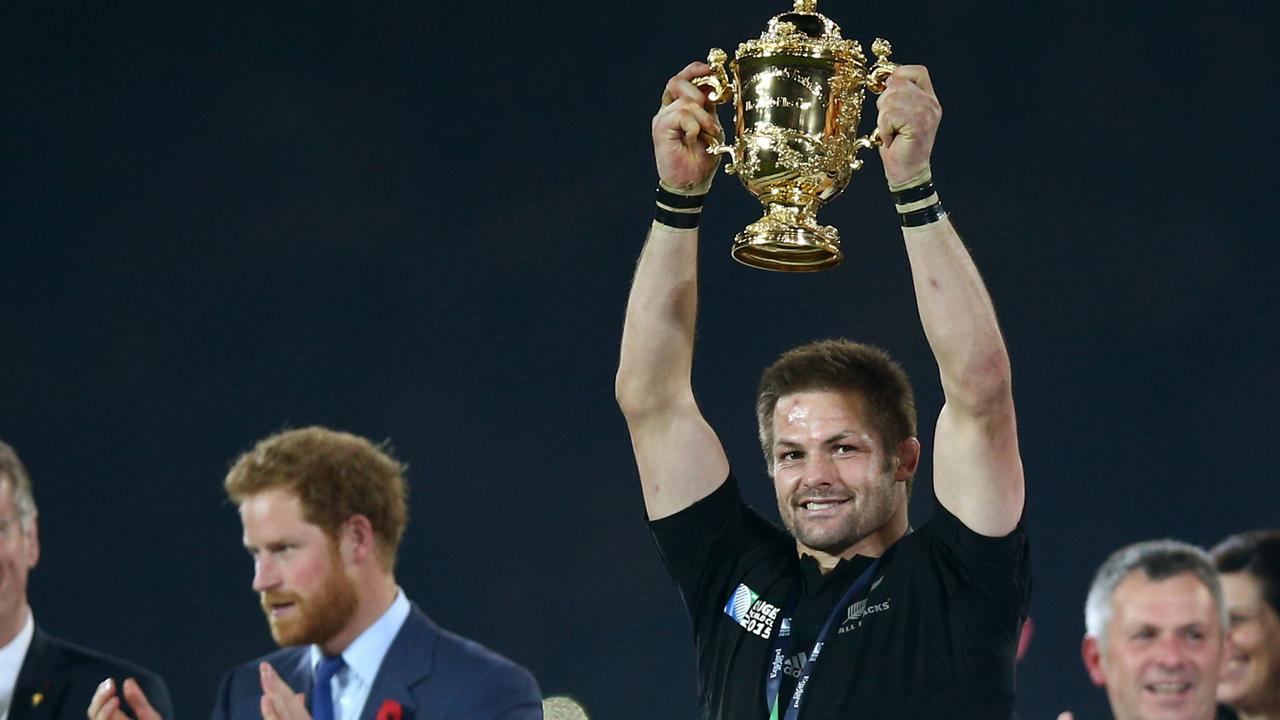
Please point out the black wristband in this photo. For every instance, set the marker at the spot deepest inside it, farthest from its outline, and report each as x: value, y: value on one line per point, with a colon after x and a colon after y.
x: 678, y: 211
x: 682, y: 220
x: 923, y: 216
x: 680, y: 202
x: 913, y: 194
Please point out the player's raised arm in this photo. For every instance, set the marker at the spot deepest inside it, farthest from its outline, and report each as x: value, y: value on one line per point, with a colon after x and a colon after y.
x: 977, y: 469
x: 679, y: 457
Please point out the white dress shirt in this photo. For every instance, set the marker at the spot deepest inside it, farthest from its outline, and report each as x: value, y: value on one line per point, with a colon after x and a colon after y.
x: 11, y: 658
x: 351, y: 685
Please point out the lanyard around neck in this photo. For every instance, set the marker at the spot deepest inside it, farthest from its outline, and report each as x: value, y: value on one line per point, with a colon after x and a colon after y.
x: 781, y: 645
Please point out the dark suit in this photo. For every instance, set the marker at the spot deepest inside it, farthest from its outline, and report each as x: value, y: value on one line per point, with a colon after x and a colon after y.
x: 57, y: 681
x: 430, y: 672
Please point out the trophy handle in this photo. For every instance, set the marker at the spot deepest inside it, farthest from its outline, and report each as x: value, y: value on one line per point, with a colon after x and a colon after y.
x: 715, y: 147
x: 721, y: 93
x: 876, y: 79
x: 863, y: 143
x: 718, y: 80
x: 881, y: 71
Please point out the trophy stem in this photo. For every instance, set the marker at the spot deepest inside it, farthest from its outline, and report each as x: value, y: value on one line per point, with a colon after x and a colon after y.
x: 788, y: 239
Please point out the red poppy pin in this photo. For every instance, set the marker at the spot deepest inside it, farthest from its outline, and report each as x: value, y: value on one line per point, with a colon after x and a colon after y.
x: 390, y: 710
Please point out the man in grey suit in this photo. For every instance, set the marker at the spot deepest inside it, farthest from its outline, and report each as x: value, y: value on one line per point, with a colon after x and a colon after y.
x: 323, y: 513
x: 43, y: 677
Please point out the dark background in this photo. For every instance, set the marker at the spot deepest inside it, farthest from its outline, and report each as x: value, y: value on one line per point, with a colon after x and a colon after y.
x: 419, y: 222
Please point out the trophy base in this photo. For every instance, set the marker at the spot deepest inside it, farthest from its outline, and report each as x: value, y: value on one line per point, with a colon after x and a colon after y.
x: 788, y: 240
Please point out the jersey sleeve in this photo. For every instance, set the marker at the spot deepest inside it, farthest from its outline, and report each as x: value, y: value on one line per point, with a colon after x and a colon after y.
x: 991, y: 577
x: 702, y: 544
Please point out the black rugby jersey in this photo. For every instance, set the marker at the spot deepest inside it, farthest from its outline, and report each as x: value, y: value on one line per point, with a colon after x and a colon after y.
x: 933, y: 635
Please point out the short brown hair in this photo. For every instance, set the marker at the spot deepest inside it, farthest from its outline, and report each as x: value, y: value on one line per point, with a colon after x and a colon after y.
x: 335, y: 475
x: 838, y: 364
x: 12, y: 469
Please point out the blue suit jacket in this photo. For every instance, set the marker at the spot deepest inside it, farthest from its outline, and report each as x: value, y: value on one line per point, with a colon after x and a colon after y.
x: 58, y: 679
x: 432, y: 674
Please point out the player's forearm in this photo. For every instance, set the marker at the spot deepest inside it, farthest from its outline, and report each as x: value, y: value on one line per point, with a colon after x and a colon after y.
x: 657, y: 338
x: 958, y: 318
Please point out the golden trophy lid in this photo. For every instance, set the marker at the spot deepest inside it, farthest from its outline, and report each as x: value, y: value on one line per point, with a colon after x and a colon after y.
x: 803, y: 32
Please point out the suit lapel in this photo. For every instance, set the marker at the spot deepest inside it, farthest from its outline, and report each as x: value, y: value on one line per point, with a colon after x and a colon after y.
x: 40, y: 687
x: 295, y: 670
x: 408, y: 661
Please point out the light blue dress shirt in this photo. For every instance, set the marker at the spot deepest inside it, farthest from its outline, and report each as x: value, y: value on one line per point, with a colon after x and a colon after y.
x: 351, y: 685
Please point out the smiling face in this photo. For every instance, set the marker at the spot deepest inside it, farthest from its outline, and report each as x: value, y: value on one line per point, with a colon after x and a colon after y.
x: 299, y: 573
x: 1163, y: 649
x: 838, y: 491
x: 1251, y: 671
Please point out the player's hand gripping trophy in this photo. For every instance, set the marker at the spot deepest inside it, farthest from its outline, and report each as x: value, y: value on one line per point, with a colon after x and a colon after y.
x: 797, y: 92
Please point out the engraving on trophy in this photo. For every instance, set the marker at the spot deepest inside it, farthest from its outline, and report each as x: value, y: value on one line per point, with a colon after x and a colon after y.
x: 762, y: 78
x: 768, y: 103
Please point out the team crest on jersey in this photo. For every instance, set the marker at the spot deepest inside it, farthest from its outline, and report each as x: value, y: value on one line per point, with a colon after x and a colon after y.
x: 858, y: 611
x: 755, y: 615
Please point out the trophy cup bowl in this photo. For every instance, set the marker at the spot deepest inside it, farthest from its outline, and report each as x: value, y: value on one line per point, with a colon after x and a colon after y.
x: 797, y: 92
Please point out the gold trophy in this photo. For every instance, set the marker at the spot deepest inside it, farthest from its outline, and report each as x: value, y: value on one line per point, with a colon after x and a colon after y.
x: 798, y: 93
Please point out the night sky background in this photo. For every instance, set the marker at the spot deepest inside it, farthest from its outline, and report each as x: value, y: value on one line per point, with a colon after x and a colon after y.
x: 418, y: 222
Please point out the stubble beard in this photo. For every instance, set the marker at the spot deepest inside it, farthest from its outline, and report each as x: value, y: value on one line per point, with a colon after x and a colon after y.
x: 320, y: 616
x: 872, y: 510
